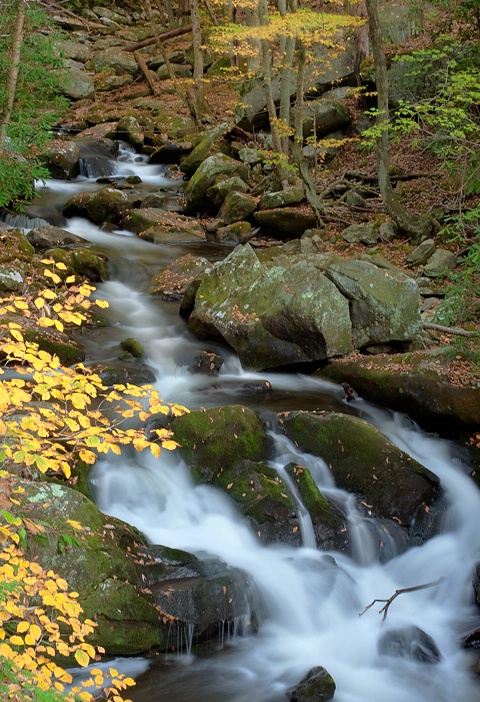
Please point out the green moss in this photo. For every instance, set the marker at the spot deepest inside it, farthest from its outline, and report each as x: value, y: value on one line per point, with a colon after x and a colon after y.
x: 69, y: 352
x: 317, y: 505
x: 217, y: 437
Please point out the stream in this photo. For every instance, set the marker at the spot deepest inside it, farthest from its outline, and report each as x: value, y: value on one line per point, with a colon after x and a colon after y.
x: 309, y: 605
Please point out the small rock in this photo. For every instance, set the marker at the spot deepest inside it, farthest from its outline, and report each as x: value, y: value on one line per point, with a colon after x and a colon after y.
x: 440, y: 264
x: 422, y: 253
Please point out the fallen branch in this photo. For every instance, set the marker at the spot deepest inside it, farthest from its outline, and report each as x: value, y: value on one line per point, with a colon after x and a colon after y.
x: 144, y: 69
x: 374, y: 179
x: 448, y: 330
x: 169, y: 34
x: 396, y: 594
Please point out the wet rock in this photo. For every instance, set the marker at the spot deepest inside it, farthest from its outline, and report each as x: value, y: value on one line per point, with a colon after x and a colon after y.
x: 207, y: 596
x: 154, y: 224
x: 330, y: 527
x: 90, y: 264
x: 97, y: 157
x: 48, y: 237
x: 207, y: 363
x: 364, y: 461
x: 168, y: 153
x: 116, y: 373
x: 410, y: 642
x: 61, y: 159
x: 108, y: 205
x: 133, y: 347
x: 129, y: 129
x: 316, y: 686
x: 212, y: 439
x: 273, y: 315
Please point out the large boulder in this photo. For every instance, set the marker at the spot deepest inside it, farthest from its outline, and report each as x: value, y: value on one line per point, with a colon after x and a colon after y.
x: 115, y: 61
x: 365, y: 462
x: 384, y: 304
x: 324, y: 116
x: 154, y: 224
x: 203, y: 596
x: 272, y: 316
x: 409, y: 642
x: 61, y: 159
x: 430, y: 385
x: 286, y: 222
x: 75, y: 83
x: 202, y: 150
x: 207, y: 173
x: 91, y: 554
x: 109, y: 204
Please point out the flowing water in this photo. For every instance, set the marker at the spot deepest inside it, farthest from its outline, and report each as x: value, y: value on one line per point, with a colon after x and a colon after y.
x: 309, y: 602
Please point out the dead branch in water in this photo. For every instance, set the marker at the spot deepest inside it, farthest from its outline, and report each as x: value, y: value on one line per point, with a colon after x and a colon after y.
x: 396, y: 594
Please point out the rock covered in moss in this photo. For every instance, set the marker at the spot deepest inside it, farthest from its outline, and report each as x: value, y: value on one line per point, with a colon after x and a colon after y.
x: 271, y: 315
x: 172, y: 282
x: 217, y: 437
x: 89, y: 551
x: 204, y: 177
x: 365, y: 462
x: 432, y: 386
x: 316, y: 686
x: 48, y: 237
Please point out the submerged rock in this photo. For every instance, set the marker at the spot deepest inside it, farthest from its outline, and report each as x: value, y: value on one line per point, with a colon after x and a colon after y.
x: 316, y: 686
x: 410, y: 642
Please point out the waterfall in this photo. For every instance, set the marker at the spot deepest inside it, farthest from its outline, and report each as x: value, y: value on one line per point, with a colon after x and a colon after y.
x: 312, y: 599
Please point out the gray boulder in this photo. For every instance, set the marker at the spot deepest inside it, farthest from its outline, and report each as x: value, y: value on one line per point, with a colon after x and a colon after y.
x: 324, y: 116
x: 113, y: 60
x: 75, y: 83
x: 272, y: 316
x: 172, y: 282
x: 360, y: 234
x: 384, y: 305
x: 109, y: 204
x: 440, y: 264
x: 129, y: 129
x: 154, y: 224
x: 281, y: 198
x: 10, y: 280
x: 61, y: 159
x: 50, y: 237
x: 219, y: 191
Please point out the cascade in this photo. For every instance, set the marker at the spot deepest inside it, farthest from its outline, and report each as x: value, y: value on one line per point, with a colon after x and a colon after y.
x: 311, y: 600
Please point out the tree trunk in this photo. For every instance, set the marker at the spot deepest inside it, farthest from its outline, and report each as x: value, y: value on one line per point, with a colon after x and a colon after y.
x: 201, y: 107
x: 11, y: 87
x: 413, y: 224
x: 308, y: 185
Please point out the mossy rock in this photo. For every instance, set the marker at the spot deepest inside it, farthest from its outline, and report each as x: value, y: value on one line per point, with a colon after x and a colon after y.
x: 133, y: 347
x: 93, y: 558
x: 365, y: 462
x: 217, y: 437
x: 56, y: 343
x: 423, y: 384
x: 172, y: 282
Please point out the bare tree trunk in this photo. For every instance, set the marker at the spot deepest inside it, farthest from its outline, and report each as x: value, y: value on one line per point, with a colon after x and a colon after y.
x: 201, y: 107
x: 412, y: 224
x: 181, y: 93
x: 308, y: 185
x: 11, y: 87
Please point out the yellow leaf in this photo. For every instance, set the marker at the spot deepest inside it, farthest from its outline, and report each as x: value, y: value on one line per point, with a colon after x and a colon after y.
x: 103, y: 304
x: 60, y: 265
x: 58, y: 325
x: 82, y: 658
x: 49, y: 294
x: 22, y: 627
x: 16, y: 640
x: 155, y: 450
x: 70, y: 279
x: 35, y: 631
x: 88, y: 456
x: 169, y: 445
x: 16, y: 334
x: 20, y: 304
x: 39, y: 303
